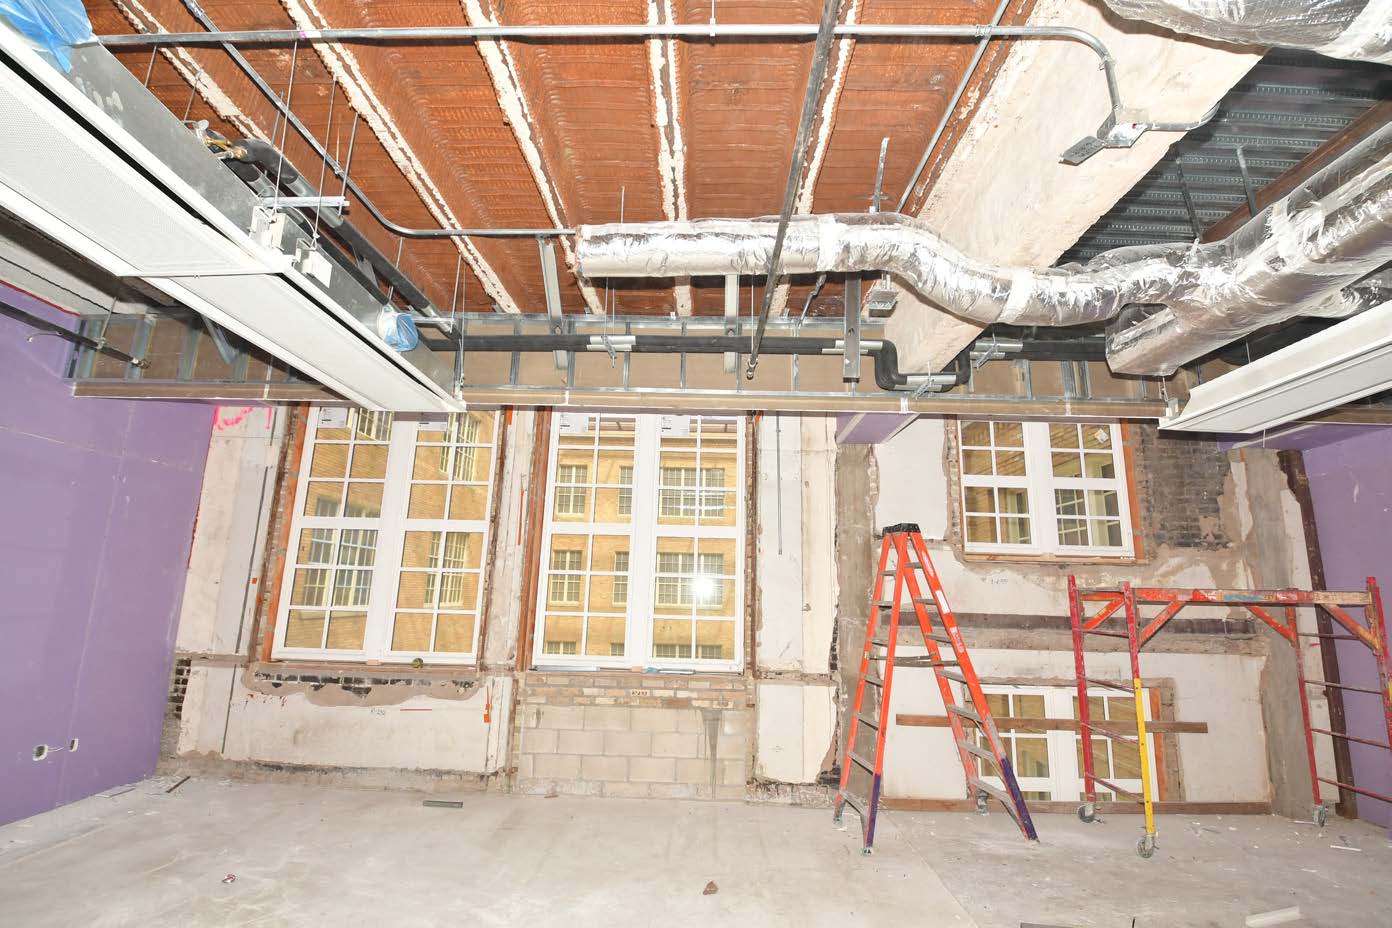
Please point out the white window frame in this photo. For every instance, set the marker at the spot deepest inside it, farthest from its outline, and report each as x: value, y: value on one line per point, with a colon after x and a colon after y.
x: 391, y: 526
x: 643, y: 530
x: 1041, y: 483
x: 1065, y: 780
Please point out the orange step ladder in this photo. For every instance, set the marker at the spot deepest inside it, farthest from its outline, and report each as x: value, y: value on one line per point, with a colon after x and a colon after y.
x: 904, y: 556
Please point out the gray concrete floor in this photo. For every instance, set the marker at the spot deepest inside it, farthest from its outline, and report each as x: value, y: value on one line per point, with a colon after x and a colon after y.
x: 305, y: 855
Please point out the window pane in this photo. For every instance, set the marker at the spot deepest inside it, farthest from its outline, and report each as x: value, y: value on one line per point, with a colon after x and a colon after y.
x: 561, y: 634
x: 431, y: 463
x: 1099, y: 465
x: 1097, y: 436
x: 1031, y: 757
x: 981, y: 528
x: 1102, y: 502
x: 427, y: 501
x: 979, y: 499
x: 321, y: 499
x: 976, y: 462
x: 1013, y: 500
x: 304, y: 629
x: 715, y: 641
x: 672, y: 638
x: 1010, y: 463
x: 416, y: 590
x: 469, y: 503
x: 1009, y: 434
x: 1030, y: 706
x: 364, y: 501
x: 1015, y: 531
x: 1073, y: 532
x: 346, y: 630
x: 1070, y: 503
x: 1063, y: 435
x: 606, y: 636
x: 977, y: 434
x: 1067, y: 465
x: 316, y: 546
x: 370, y: 461
x: 454, y: 633
x: 412, y: 631
x: 310, y: 588
x: 329, y: 460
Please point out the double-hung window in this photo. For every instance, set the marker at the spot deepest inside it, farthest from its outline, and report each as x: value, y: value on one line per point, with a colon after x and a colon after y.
x: 389, y: 538
x: 1044, y: 488
x: 1048, y: 761
x: 642, y: 543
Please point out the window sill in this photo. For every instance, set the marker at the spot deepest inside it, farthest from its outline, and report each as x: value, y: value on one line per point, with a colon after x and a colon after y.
x: 1054, y: 559
x: 362, y: 669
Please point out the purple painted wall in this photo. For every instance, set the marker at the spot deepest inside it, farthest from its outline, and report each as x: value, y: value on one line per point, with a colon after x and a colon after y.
x: 97, y: 505
x: 1351, y: 484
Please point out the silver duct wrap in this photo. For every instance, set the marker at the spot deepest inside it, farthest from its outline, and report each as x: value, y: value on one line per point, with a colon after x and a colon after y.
x: 1297, y: 257
x: 1354, y: 29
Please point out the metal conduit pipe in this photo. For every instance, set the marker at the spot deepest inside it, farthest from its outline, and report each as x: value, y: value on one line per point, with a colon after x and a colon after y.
x: 1296, y: 257
x: 886, y: 356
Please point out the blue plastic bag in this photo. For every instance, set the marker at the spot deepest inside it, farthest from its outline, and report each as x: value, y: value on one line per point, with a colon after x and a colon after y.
x: 57, y: 25
x: 398, y: 330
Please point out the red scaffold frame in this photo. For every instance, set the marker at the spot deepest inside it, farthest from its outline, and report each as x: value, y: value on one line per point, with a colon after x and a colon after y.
x: 1125, y: 600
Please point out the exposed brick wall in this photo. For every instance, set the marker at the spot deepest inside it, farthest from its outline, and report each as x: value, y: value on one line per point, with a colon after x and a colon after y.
x: 178, y: 687
x: 1179, y: 482
x: 634, y: 735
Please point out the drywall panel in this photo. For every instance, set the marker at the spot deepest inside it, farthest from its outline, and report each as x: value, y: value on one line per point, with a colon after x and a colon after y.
x: 796, y: 722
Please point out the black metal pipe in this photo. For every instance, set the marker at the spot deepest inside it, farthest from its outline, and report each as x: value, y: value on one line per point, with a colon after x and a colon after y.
x: 51, y: 328
x: 886, y: 357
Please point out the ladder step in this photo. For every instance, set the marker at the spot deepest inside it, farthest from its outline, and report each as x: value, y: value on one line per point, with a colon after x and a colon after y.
x: 921, y: 600
x: 880, y: 642
x: 979, y: 751
x: 855, y: 802
x: 873, y: 681
x: 914, y: 565
x: 921, y: 661
x: 952, y: 675
x: 941, y: 639
x: 965, y: 713
x: 995, y: 792
x: 860, y: 761
x: 1094, y: 631
x: 867, y: 720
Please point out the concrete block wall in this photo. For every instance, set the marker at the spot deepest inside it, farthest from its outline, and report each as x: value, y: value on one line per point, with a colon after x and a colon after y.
x: 634, y: 735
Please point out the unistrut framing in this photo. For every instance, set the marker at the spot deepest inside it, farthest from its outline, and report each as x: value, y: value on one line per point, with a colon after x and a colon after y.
x: 1125, y: 601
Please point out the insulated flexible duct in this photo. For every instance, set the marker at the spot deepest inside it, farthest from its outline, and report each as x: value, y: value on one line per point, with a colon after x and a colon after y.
x: 1294, y: 258
x: 1354, y: 29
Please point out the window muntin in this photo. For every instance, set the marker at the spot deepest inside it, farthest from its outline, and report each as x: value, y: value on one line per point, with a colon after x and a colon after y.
x: 652, y: 538
x: 1044, y: 488
x: 391, y: 522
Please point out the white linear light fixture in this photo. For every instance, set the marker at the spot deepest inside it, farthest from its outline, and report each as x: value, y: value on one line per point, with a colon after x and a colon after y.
x: 1345, y: 362
x: 84, y: 196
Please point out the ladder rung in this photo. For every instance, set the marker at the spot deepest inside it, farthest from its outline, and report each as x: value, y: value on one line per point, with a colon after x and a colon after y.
x: 979, y: 751
x: 880, y: 642
x: 965, y: 713
x: 1336, y: 734
x: 860, y: 761
x: 1344, y: 686
x: 995, y: 791
x: 913, y: 565
x: 921, y: 661
x: 874, y: 681
x: 1137, y: 797
x: 952, y: 675
x: 867, y: 720
x: 1326, y: 635
x: 1097, y: 631
x: 1109, y: 683
x: 854, y: 802
x: 941, y: 639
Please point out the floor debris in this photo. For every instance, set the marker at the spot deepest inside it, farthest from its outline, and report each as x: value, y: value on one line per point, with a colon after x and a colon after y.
x: 711, y: 889
x: 1274, y: 917
x: 443, y: 803
x: 230, y: 878
x: 177, y: 785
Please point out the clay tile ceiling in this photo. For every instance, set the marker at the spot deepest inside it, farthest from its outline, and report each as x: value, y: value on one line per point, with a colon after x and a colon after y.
x: 541, y: 134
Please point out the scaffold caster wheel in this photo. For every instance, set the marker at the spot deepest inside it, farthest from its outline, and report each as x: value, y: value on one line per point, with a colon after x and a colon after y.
x: 1146, y: 846
x: 1087, y: 812
x: 1321, y: 816
x: 981, y: 798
